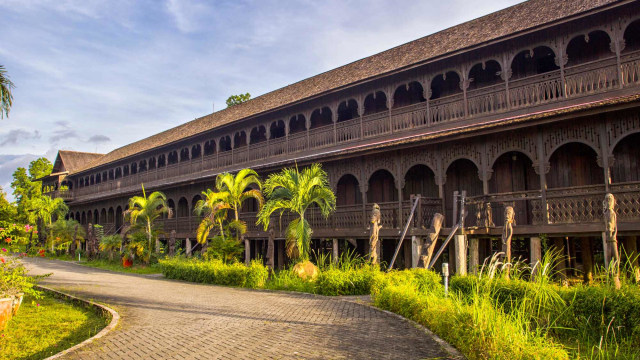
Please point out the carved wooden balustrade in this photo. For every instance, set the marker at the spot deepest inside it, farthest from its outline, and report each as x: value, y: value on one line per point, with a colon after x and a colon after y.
x: 596, y: 77
x: 487, y: 211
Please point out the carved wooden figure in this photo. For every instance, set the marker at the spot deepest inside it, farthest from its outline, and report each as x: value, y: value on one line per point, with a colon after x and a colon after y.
x: 270, y: 248
x: 172, y: 243
x: 429, y: 245
x: 611, y: 237
x: 507, y: 234
x: 376, y: 219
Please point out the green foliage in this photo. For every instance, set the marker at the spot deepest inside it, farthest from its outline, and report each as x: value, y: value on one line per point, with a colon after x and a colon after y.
x: 142, y: 213
x: 227, y: 250
x: 355, y: 281
x: 63, y: 232
x: 213, y: 208
x: 111, y: 244
x: 294, y: 192
x: 216, y: 272
x: 44, y: 327
x: 6, y: 96
x: 14, y: 279
x: 8, y: 211
x: 39, y: 168
x: 421, y: 280
x: 234, y: 100
x: 136, y: 247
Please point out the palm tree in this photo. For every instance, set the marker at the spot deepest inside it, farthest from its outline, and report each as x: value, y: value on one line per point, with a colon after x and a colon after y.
x: 6, y: 98
x: 293, y: 191
x: 111, y: 243
x: 214, y: 208
x: 233, y: 189
x: 46, y: 209
x: 68, y: 231
x: 143, y: 211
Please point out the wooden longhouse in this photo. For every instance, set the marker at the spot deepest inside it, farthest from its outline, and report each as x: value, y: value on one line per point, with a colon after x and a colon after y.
x: 536, y: 106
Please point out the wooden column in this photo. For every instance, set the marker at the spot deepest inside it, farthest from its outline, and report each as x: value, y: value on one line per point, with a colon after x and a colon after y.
x: 561, y: 266
x: 460, y: 248
x: 474, y: 255
x: 542, y: 172
x: 247, y: 252
x: 335, y: 250
x: 535, y: 249
x: 587, y: 259
x: 187, y: 245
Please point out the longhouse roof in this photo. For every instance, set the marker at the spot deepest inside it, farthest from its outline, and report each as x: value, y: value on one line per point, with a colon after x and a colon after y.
x: 518, y: 18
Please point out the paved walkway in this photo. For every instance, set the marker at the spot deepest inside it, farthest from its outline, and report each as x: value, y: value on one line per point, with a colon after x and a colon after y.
x: 164, y: 319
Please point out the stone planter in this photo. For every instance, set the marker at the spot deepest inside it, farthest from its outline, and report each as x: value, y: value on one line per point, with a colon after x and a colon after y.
x: 17, y: 301
x: 6, y: 308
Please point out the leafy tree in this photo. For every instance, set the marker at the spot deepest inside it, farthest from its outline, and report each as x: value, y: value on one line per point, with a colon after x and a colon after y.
x: 111, y: 244
x: 6, y: 98
x: 47, y: 209
x: 67, y: 233
x: 234, y: 190
x: 8, y: 211
x: 143, y: 211
x: 234, y: 100
x: 292, y: 191
x: 39, y: 168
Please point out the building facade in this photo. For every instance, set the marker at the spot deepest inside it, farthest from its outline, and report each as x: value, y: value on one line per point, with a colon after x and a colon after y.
x: 536, y: 106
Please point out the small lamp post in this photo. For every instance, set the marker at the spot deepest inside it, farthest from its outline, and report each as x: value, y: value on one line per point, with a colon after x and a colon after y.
x: 445, y: 274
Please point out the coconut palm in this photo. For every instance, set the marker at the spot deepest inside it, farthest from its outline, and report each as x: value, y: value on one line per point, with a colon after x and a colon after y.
x: 214, y: 209
x: 6, y: 98
x: 143, y: 211
x: 293, y: 191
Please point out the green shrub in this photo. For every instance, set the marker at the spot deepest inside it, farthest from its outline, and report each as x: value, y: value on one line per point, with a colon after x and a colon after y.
x: 289, y: 281
x: 216, y: 272
x: 355, y: 281
x: 420, y: 279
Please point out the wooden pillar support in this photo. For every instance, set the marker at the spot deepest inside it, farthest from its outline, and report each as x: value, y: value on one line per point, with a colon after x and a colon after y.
x: 460, y: 248
x: 247, y: 252
x: 587, y: 260
x: 474, y: 255
x: 416, y: 248
x: 535, y: 249
x: 335, y: 250
x: 187, y: 245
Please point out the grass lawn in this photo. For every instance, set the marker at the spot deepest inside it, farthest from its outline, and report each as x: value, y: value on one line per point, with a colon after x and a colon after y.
x: 39, y: 331
x: 111, y: 265
x: 117, y: 266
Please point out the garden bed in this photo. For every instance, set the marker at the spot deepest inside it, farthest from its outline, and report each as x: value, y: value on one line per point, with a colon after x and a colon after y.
x: 46, y: 326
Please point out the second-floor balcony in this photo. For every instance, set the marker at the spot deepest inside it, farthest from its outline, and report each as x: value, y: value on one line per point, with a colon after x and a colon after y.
x: 584, y: 83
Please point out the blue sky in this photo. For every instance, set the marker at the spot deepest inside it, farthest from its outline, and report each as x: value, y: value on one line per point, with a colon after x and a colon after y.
x: 95, y: 75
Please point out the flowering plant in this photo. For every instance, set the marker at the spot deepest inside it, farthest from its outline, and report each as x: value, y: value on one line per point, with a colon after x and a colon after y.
x: 14, y: 279
x: 13, y: 235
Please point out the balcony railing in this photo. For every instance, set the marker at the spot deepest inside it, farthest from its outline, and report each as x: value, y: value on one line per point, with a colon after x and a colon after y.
x: 581, y: 80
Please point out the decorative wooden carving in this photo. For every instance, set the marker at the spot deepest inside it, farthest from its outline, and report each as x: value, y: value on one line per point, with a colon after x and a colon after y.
x: 611, y: 237
x: 521, y: 141
x: 376, y: 218
x: 372, y: 164
x: 586, y: 132
x: 507, y: 234
x: 426, y: 252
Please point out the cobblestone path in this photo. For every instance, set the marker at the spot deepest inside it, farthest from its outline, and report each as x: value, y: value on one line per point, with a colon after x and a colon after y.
x: 164, y: 319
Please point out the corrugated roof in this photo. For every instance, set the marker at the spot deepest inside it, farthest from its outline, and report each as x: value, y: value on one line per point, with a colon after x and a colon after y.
x: 517, y: 18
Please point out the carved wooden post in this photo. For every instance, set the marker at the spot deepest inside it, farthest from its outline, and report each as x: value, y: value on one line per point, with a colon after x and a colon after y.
x: 335, y: 251
x: 188, y: 247
x: 610, y: 239
x: 247, y: 252
x: 172, y: 243
x: 270, y: 247
x: 375, y: 223
x: 416, y: 248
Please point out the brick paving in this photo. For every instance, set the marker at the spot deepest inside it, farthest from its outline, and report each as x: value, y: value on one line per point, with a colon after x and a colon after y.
x: 165, y: 319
